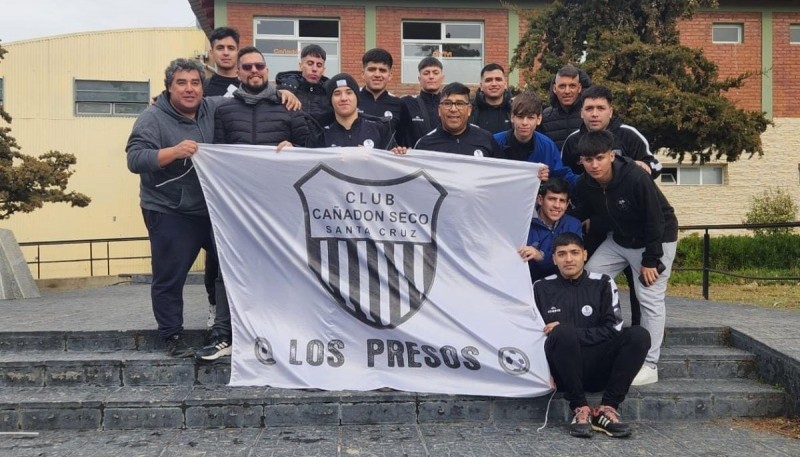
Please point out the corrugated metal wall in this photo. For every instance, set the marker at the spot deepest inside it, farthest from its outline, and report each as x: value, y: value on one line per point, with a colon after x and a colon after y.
x: 38, y: 77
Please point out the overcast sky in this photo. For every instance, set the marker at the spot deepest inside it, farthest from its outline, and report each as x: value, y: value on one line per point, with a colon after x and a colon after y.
x: 26, y: 19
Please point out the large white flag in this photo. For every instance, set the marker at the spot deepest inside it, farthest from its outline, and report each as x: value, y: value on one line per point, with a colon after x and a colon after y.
x: 357, y: 269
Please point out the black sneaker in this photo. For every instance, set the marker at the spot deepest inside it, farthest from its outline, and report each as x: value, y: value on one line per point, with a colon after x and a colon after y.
x: 215, y: 350
x: 581, y: 426
x: 606, y: 419
x: 177, y: 347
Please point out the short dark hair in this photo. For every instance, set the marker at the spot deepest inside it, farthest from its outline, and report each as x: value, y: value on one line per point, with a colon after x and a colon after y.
x: 248, y: 50
x: 223, y: 32
x: 492, y: 67
x: 597, y: 92
x: 429, y: 62
x: 567, y: 71
x: 594, y: 143
x: 377, y: 55
x: 183, y: 65
x: 554, y: 186
x: 526, y: 104
x: 567, y: 238
x: 454, y: 89
x: 313, y: 50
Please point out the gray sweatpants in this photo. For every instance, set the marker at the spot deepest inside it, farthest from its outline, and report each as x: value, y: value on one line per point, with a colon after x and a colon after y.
x: 611, y: 258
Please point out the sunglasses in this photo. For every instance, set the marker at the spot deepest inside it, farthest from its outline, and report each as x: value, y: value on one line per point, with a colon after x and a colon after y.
x: 249, y: 66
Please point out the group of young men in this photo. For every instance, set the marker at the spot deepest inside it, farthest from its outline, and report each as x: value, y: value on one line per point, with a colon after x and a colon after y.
x: 598, y: 179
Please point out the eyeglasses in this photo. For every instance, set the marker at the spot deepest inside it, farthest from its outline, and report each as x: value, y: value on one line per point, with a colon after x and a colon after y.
x: 459, y: 105
x: 249, y: 66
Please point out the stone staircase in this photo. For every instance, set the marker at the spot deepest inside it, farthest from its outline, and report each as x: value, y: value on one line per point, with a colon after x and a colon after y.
x: 122, y: 380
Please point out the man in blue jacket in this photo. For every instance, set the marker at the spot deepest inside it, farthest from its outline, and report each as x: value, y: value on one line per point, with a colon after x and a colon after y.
x: 523, y: 142
x: 549, y: 221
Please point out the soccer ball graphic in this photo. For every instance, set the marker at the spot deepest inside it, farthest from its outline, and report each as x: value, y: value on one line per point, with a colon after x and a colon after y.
x: 514, y: 361
x: 264, y: 351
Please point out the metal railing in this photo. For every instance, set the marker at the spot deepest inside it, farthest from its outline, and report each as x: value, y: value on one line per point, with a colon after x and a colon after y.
x: 91, y: 257
x: 706, y: 268
x: 107, y: 258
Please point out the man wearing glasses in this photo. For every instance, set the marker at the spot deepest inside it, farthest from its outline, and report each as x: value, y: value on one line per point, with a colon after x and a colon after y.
x: 455, y: 134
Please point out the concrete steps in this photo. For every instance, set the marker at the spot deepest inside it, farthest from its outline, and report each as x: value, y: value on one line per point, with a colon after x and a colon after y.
x: 122, y: 380
x: 146, y: 368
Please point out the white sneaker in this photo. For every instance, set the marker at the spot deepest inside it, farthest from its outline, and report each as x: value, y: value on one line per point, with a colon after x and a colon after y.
x: 212, y: 314
x: 647, y: 375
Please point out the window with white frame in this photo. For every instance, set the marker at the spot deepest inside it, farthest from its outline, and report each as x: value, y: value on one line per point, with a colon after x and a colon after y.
x: 458, y: 45
x: 282, y: 39
x: 111, y: 98
x: 727, y: 33
x: 703, y: 175
x: 794, y: 34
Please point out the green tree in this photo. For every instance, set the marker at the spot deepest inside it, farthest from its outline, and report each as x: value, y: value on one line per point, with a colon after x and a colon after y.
x: 671, y: 93
x: 27, y: 182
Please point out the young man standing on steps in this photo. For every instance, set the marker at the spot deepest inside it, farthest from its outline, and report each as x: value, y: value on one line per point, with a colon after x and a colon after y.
x: 586, y: 346
x: 224, y: 46
x: 642, y: 234
x: 422, y: 109
x: 374, y: 98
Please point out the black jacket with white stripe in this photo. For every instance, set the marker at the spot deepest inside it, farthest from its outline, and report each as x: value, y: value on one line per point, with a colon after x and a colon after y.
x: 590, y: 304
x: 628, y: 142
x: 474, y: 141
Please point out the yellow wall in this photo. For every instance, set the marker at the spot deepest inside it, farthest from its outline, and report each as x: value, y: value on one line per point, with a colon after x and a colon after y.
x: 38, y: 83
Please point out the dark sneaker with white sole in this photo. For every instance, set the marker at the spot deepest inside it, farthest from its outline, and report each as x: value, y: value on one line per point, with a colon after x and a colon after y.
x: 581, y: 425
x: 215, y: 350
x: 177, y: 347
x: 607, y: 420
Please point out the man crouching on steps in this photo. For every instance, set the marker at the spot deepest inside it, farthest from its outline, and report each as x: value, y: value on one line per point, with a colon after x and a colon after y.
x: 586, y: 347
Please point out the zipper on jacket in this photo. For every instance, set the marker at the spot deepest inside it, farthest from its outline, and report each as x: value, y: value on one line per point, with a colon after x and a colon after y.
x: 253, y: 129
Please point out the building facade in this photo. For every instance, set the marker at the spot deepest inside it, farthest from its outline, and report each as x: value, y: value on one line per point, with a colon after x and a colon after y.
x: 740, y: 36
x: 63, y: 97
x: 80, y: 94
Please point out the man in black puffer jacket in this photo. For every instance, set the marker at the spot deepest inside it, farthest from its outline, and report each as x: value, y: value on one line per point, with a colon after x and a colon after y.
x: 308, y: 84
x: 253, y: 116
x: 563, y: 116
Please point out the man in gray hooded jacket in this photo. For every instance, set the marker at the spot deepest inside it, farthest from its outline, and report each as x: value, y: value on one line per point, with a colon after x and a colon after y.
x: 160, y: 147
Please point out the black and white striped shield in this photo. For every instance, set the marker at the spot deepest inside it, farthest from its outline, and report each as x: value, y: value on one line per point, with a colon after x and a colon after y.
x: 372, y: 243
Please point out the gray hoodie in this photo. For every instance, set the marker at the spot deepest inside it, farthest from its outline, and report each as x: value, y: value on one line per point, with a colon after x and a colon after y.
x: 174, y: 188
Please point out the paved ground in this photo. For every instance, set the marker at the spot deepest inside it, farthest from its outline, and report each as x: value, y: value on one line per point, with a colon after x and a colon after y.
x: 126, y: 307
x: 451, y: 440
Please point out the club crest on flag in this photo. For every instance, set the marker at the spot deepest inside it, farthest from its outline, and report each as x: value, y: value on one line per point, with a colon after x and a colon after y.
x: 372, y: 243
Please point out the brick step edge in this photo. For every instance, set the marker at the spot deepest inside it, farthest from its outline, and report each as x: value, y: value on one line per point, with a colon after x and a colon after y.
x: 177, y: 408
x: 137, y: 368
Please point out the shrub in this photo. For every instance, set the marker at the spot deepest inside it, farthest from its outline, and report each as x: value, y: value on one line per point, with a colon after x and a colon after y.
x: 770, y: 207
x: 779, y: 251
